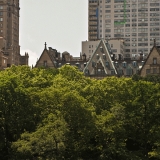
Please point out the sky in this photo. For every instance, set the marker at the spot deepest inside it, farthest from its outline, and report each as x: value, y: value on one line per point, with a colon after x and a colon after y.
x: 62, y: 24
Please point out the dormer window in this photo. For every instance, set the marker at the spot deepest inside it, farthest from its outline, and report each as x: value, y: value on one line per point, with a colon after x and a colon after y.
x: 134, y: 63
x: 116, y: 64
x: 124, y: 64
x: 101, y: 49
x: 154, y: 60
x: 107, y: 64
x: 104, y: 56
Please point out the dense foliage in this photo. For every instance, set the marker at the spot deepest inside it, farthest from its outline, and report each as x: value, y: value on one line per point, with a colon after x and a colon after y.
x: 56, y: 114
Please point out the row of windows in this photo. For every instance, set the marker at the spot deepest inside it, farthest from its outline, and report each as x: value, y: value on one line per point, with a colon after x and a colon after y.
x: 135, y: 20
x: 135, y: 5
x: 139, y: 10
x: 122, y: 1
x: 141, y: 16
x: 133, y: 25
x: 152, y: 71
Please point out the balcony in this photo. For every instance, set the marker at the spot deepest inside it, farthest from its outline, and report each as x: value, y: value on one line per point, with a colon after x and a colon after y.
x: 92, y: 23
x: 93, y: 28
x: 93, y: 18
x: 92, y: 33
x: 92, y: 38
x: 92, y: 13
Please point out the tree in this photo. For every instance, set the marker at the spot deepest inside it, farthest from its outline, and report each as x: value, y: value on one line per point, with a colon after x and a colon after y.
x: 47, y: 142
x: 16, y: 112
x: 142, y: 119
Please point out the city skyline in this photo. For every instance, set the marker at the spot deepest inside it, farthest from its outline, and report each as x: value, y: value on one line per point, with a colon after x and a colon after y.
x: 62, y: 25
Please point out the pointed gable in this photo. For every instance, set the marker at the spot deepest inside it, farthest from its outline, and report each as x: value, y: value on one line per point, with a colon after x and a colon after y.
x: 152, y: 63
x: 100, y: 63
x: 46, y: 60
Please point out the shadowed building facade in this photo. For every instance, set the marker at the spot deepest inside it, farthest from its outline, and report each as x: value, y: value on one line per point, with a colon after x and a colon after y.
x: 9, y: 33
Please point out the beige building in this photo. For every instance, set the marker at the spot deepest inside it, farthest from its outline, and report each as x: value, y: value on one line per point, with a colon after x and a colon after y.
x: 88, y: 47
x: 9, y: 31
x: 137, y: 21
x: 117, y: 47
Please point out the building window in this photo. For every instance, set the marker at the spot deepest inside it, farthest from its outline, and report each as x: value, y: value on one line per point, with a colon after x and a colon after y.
x: 129, y: 71
x: 112, y: 72
x: 124, y: 64
x: 154, y: 70
x: 45, y: 63
x: 147, y: 71
x: 154, y: 60
x: 120, y: 72
x: 134, y: 64
x: 99, y: 71
x: 1, y: 19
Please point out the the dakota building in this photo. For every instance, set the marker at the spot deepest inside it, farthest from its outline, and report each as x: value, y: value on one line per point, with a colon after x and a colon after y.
x: 103, y: 63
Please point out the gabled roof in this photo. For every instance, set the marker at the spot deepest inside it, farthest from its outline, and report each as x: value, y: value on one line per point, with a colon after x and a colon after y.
x: 102, y: 55
x: 158, y: 51
x: 49, y: 55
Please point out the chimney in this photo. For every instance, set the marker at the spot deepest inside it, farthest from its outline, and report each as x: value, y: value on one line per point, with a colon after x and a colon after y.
x: 141, y: 56
x: 119, y: 57
x: 113, y: 57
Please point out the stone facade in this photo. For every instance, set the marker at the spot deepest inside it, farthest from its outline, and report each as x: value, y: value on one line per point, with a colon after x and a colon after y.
x: 50, y: 58
x: 103, y: 63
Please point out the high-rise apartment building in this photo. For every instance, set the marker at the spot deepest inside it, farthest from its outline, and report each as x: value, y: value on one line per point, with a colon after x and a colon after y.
x: 93, y: 20
x: 137, y: 21
x: 9, y: 31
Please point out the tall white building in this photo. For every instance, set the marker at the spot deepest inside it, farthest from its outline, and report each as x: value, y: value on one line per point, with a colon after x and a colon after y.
x: 137, y: 21
x: 116, y: 45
